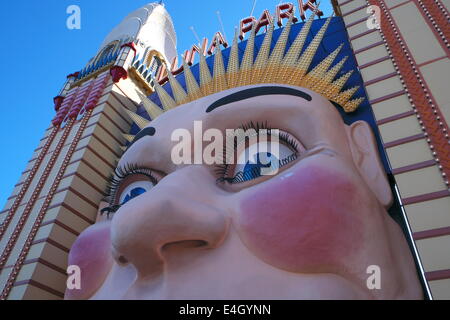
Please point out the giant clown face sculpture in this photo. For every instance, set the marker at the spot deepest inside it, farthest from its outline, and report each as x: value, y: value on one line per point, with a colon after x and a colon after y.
x: 308, y: 230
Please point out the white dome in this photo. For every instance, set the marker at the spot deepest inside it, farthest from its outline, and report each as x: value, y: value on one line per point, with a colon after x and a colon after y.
x: 152, y: 26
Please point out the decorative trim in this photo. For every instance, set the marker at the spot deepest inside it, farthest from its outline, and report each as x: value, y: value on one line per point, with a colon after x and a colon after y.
x: 426, y: 197
x: 60, y: 224
x: 400, y: 4
x: 439, y: 232
x: 395, y: 117
x: 344, y: 3
x: 30, y: 204
x: 387, y: 76
x: 25, y: 185
x: 437, y: 19
x: 373, y: 45
x: 41, y: 286
x: 354, y: 10
x: 53, y: 243
x: 40, y: 217
x: 404, y: 140
x: 431, y: 61
x: 356, y: 22
x: 365, y: 33
x: 437, y: 275
x: 371, y: 63
x: 387, y: 97
x: 430, y: 117
x: 412, y: 167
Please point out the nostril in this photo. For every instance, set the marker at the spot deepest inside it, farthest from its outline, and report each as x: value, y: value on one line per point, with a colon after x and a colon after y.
x: 122, y: 260
x: 185, y: 244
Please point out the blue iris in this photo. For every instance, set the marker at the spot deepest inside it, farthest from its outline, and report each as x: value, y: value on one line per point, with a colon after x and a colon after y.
x: 133, y: 194
x: 253, y: 170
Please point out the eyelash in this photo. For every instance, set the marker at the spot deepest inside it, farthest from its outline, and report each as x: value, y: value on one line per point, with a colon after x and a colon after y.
x: 115, y: 181
x: 222, y: 170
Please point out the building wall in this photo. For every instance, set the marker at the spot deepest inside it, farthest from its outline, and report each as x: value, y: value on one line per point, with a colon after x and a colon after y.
x: 406, y: 71
x: 73, y: 188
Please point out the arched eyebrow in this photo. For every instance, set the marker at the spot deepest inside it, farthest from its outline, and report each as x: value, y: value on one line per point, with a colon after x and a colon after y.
x: 254, y: 92
x: 149, y: 131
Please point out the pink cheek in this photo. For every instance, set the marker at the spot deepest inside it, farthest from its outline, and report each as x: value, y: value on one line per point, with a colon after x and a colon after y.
x: 306, y: 222
x: 92, y: 253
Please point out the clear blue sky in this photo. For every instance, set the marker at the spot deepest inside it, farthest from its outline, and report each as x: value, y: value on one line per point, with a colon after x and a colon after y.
x: 38, y: 51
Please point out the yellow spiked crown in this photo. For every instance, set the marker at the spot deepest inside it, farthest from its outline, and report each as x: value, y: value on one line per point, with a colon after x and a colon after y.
x: 269, y: 67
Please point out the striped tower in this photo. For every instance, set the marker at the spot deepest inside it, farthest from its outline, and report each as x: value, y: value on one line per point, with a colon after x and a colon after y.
x: 58, y: 194
x: 405, y: 66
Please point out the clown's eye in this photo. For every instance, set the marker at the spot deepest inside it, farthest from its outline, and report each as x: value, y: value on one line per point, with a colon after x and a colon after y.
x: 128, y: 183
x: 269, y: 151
x: 134, y: 190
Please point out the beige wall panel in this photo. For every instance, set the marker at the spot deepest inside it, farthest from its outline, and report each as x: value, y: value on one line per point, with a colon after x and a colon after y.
x: 55, y: 141
x: 118, y: 120
x: 17, y: 293
x: 86, y: 190
x: 62, y: 236
x: 88, y: 130
x: 420, y: 181
x: 110, y: 110
x: 399, y: 129
x: 383, y: 88
x: 434, y: 253
x: 113, y: 129
x: 20, y: 242
x: 76, y: 156
x: 68, y: 218
x: 26, y: 272
x: 418, y: 36
x: 355, y: 16
x: 371, y: 54
x: 429, y: 214
x: 49, y: 253
x: 34, y: 293
x: 119, y: 100
x: 11, y: 227
x: 81, y: 205
x: 35, y: 180
x: 351, y: 5
x: 97, y: 163
x: 366, y: 40
x: 44, y: 232
x: 446, y: 4
x: 102, y: 151
x: 16, y: 189
x: 8, y: 205
x: 129, y: 88
x: 65, y: 183
x: 93, y: 176
x: 409, y: 153
x: 377, y: 70
x: 392, y: 3
x: 440, y: 289
x: 30, y: 165
x: 445, y: 109
x: 50, y: 278
x: 101, y: 134
x: 437, y: 76
x: 96, y: 114
x: 55, y: 170
x: 4, y: 274
x: 357, y: 29
x: 391, y: 107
